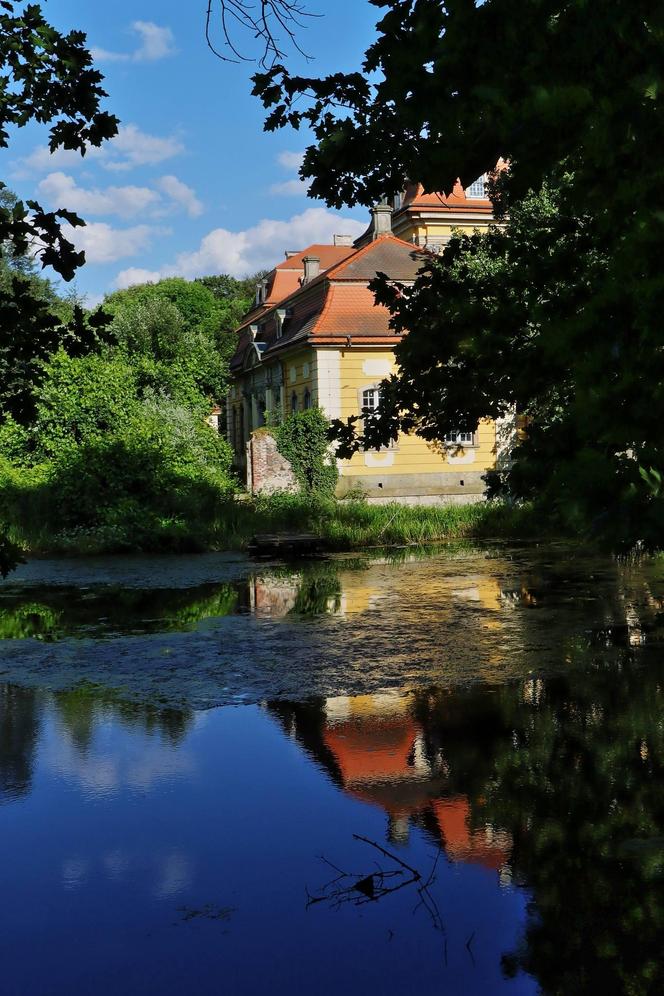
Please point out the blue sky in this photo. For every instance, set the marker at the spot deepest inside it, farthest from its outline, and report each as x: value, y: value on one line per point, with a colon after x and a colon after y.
x: 192, y: 185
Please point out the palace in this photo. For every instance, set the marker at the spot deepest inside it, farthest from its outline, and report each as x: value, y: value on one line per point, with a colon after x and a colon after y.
x: 316, y: 337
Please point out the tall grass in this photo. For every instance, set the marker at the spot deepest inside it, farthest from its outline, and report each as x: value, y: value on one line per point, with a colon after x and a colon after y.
x: 346, y: 525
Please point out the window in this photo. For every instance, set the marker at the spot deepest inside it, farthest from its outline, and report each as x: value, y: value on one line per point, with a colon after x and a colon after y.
x: 477, y: 189
x: 307, y: 398
x: 459, y: 438
x: 293, y: 402
x: 370, y: 400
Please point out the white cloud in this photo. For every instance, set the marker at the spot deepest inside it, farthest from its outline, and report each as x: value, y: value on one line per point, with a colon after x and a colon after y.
x: 155, y: 43
x: 289, y: 188
x: 131, y: 147
x: 61, y: 190
x: 181, y: 195
x: 136, y: 275
x: 255, y: 248
x: 104, y: 244
x: 291, y: 160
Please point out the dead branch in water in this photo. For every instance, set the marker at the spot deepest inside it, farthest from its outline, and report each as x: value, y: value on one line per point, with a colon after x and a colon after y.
x: 359, y: 888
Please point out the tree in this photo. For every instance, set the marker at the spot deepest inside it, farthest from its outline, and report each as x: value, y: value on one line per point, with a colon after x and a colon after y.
x: 571, y: 95
x: 48, y: 77
x: 181, y: 324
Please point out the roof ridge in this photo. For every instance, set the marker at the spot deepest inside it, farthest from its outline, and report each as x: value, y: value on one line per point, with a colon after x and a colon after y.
x: 364, y: 250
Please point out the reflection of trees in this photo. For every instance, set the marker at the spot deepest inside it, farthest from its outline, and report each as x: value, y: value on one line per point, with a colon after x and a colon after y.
x: 19, y: 724
x: 571, y: 768
x: 559, y: 778
x: 82, y: 708
x: 57, y: 612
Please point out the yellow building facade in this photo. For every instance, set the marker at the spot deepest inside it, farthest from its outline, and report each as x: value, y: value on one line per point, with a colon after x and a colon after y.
x: 326, y: 343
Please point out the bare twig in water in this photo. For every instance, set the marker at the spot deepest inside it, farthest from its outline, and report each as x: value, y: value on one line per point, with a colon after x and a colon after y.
x: 207, y: 912
x: 349, y: 888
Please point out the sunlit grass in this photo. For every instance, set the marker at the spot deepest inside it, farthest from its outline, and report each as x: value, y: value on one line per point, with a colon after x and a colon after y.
x: 344, y: 525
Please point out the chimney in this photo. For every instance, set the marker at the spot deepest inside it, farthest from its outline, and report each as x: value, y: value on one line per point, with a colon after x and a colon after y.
x: 381, y: 220
x: 343, y: 240
x: 311, y: 268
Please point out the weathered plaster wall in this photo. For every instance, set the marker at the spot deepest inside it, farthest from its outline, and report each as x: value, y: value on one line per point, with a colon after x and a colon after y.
x: 267, y: 470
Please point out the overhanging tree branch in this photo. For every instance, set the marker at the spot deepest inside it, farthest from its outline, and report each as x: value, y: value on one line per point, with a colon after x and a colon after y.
x: 273, y: 23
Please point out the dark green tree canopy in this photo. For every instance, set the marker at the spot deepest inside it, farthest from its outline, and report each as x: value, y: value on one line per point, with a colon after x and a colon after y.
x: 559, y: 313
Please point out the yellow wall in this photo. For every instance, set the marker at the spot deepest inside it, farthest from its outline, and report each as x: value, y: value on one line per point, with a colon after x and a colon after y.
x: 300, y: 371
x: 359, y: 369
x: 434, y: 230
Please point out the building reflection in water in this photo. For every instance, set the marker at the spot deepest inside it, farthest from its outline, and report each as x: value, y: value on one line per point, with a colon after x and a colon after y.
x: 377, y: 749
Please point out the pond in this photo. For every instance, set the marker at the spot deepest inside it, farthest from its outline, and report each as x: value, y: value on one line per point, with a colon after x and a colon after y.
x: 424, y: 770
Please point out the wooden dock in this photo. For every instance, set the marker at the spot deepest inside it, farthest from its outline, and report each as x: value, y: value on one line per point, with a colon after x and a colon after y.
x: 286, y: 545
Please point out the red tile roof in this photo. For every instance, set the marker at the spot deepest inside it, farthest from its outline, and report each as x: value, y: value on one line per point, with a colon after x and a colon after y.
x: 338, y: 303
x: 328, y: 255
x: 415, y: 198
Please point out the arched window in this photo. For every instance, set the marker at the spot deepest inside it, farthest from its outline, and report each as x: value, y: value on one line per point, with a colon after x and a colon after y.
x: 307, y: 399
x: 293, y: 402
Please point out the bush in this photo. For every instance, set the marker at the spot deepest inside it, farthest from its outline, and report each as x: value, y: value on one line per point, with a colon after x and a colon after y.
x: 303, y: 438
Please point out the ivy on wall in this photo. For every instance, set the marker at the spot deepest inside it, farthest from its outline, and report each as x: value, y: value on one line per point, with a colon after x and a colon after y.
x: 303, y: 439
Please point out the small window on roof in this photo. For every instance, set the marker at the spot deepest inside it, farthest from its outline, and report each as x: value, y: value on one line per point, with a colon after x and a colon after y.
x: 477, y: 189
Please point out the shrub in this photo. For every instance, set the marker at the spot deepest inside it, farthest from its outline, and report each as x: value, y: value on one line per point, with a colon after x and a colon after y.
x: 303, y: 438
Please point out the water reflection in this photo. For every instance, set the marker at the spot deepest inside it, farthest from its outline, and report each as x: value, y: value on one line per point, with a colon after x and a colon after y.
x: 543, y: 792
x: 19, y: 721
x: 553, y: 783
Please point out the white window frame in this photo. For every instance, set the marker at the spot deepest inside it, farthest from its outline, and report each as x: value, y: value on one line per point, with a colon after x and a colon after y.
x: 477, y: 189
x: 458, y: 438
x: 366, y: 411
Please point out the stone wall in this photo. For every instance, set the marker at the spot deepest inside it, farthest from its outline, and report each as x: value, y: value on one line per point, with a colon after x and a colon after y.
x: 267, y: 470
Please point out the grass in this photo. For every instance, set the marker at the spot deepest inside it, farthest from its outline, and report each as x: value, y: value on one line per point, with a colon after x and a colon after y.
x: 347, y: 525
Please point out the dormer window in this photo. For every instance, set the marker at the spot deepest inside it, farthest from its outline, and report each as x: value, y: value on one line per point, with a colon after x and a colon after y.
x: 280, y: 317
x: 477, y: 189
x: 261, y: 292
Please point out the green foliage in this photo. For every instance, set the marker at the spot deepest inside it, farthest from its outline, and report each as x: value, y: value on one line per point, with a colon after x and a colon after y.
x: 560, y: 313
x: 185, y: 325
x: 106, y: 454
x: 303, y: 438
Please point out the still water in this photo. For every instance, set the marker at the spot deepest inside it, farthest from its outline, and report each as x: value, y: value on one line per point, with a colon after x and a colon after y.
x: 433, y: 771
